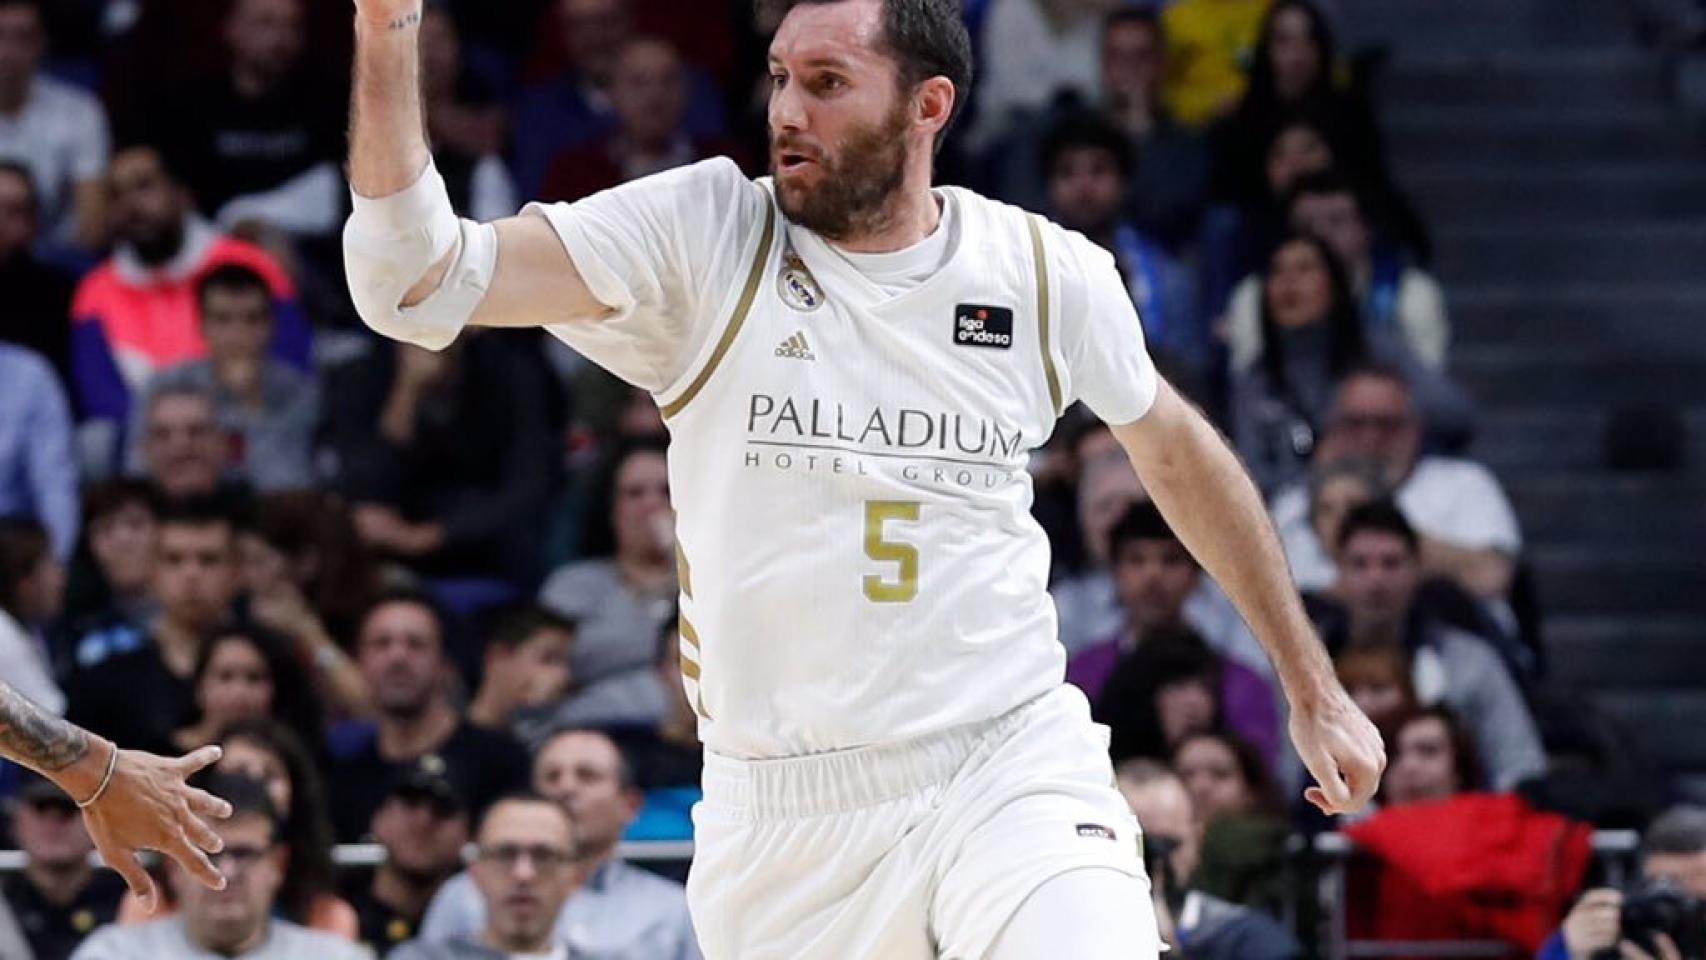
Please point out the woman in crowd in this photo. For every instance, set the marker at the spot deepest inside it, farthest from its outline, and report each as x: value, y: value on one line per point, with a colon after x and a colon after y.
x: 249, y: 674
x: 112, y: 569
x: 1234, y: 794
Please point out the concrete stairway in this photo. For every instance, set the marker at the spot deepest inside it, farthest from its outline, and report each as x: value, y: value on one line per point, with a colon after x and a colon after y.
x: 1568, y: 200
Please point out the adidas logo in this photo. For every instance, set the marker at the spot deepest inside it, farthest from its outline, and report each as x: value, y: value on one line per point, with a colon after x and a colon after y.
x: 794, y: 348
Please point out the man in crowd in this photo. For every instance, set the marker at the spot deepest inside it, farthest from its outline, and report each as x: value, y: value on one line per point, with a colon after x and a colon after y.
x: 56, y: 130
x: 617, y: 910
x: 135, y: 686
x: 1468, y: 531
x: 524, y: 871
x: 400, y: 648
x: 1673, y: 855
x: 237, y: 921
x: 526, y: 668
x: 1207, y: 927
x: 423, y: 826
x: 266, y: 410
x: 184, y: 452
x: 37, y: 295
x: 38, y: 466
x: 59, y: 897
x: 136, y: 313
x: 1380, y: 574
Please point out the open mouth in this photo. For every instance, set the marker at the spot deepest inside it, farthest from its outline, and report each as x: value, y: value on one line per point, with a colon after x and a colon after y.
x: 792, y: 161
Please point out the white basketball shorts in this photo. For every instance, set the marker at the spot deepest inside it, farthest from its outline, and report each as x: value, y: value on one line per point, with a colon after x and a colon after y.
x: 916, y: 850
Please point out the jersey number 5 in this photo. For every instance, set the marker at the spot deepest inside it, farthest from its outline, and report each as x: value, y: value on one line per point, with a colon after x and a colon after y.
x: 877, y: 588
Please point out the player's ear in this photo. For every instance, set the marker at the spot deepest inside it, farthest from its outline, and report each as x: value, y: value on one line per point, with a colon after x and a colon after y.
x: 933, y: 103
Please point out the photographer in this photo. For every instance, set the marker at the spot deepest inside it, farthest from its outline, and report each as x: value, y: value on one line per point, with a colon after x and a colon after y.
x: 1663, y: 917
x: 1196, y: 925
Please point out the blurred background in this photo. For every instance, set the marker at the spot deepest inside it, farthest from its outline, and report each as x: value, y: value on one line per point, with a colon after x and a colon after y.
x: 1433, y: 265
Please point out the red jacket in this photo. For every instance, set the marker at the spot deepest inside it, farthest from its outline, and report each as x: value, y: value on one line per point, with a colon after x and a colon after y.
x: 1475, y: 866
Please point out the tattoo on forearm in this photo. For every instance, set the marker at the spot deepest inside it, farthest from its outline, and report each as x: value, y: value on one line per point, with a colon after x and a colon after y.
x: 406, y: 21
x: 36, y: 738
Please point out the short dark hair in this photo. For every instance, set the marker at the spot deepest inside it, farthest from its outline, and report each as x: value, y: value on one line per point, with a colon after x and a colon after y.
x: 1142, y: 521
x: 231, y: 278
x: 203, y: 511
x: 245, y: 794
x: 525, y: 797
x: 516, y: 625
x: 627, y: 777
x: 1679, y: 831
x: 1379, y: 516
x: 1083, y: 130
x: 23, y: 544
x: 107, y: 497
x: 411, y: 597
x: 926, y: 38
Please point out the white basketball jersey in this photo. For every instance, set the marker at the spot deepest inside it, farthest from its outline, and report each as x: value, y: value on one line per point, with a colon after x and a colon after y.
x: 849, y: 468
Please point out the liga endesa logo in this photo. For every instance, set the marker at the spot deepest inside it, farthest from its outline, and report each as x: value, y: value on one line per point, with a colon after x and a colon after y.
x: 976, y: 325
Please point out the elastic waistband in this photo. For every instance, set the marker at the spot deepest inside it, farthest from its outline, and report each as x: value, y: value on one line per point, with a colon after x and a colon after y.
x: 824, y: 783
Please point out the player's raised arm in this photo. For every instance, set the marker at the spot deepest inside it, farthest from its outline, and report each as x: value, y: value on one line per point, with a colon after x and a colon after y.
x: 1210, y: 500
x: 416, y: 271
x: 131, y: 801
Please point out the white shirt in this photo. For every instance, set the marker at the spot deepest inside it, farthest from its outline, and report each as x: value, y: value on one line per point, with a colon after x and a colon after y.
x: 1457, y: 501
x: 61, y: 135
x: 849, y: 468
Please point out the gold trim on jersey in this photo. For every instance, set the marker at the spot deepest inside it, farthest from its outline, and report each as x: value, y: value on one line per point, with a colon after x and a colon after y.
x: 1039, y: 259
x: 736, y: 320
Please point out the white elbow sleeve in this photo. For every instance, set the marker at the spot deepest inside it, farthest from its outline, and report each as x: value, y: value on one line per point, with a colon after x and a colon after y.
x: 391, y: 242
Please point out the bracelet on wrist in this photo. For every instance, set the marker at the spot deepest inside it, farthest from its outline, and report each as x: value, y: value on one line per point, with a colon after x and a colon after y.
x: 106, y: 778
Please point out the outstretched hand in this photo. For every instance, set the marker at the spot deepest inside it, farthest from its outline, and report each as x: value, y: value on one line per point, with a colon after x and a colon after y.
x: 149, y: 805
x: 1341, y: 749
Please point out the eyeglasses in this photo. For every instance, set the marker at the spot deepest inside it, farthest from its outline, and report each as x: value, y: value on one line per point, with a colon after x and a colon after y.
x: 509, y: 856
x: 239, y: 856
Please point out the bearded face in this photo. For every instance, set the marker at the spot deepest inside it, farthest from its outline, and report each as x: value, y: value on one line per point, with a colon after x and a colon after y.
x: 841, y: 190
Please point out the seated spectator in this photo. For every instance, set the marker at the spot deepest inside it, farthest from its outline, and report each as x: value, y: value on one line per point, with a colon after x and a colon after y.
x: 401, y: 652
x: 261, y: 141
x: 1032, y: 50
x: 1312, y: 336
x: 37, y: 295
x: 59, y: 897
x: 238, y: 920
x: 576, y: 106
x: 308, y: 574
x: 648, y: 92
x: 267, y: 409
x: 112, y: 576
x: 1378, y: 680
x: 1335, y: 488
x: 1087, y: 163
x: 1399, y: 301
x: 270, y: 752
x: 1380, y: 576
x: 669, y: 756
x: 56, y: 130
x: 464, y: 123
x: 136, y: 313
x: 1154, y: 579
x: 620, y: 603
x: 1673, y: 858
x: 524, y: 872
x: 1209, y: 42
x: 32, y: 590
x: 1211, y: 928
x: 1467, y: 528
x: 617, y: 910
x: 1168, y: 185
x: 1294, y: 69
x: 526, y: 667
x: 446, y: 457
x: 185, y: 452
x: 248, y: 674
x: 423, y: 826
x: 38, y: 465
x: 135, y: 685
x: 1173, y: 686
x: 1244, y: 836
x: 1453, y: 864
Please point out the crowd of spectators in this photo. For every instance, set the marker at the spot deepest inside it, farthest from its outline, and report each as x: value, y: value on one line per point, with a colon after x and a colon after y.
x: 427, y: 599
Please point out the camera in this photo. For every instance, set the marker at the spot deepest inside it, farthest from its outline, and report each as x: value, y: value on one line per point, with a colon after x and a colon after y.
x: 1661, y: 906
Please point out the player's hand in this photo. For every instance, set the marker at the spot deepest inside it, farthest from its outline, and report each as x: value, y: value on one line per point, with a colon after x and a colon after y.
x: 388, y: 13
x: 1341, y: 749
x: 148, y: 805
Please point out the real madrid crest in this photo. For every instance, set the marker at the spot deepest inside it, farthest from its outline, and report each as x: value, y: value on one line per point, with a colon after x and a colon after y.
x: 796, y: 285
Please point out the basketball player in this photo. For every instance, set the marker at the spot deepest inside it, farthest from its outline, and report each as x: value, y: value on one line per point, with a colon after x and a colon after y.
x: 131, y: 801
x: 854, y: 367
